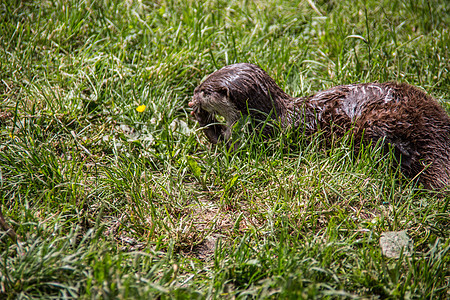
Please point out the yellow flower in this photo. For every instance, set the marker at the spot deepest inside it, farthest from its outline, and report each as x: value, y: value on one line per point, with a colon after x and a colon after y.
x: 141, y: 108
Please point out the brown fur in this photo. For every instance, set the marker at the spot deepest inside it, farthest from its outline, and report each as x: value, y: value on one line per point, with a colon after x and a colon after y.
x: 412, y: 122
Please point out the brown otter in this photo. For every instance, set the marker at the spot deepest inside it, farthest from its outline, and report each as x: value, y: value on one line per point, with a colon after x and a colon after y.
x: 398, y: 114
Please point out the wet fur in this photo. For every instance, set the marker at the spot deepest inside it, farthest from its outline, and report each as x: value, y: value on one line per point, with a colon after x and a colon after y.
x: 398, y: 114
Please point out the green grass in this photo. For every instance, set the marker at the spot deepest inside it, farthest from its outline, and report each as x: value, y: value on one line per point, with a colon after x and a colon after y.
x: 112, y: 203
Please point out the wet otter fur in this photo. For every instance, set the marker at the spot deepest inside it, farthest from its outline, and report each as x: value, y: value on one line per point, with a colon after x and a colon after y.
x: 397, y: 114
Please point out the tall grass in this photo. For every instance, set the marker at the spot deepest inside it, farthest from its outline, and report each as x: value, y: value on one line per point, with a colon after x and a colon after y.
x: 110, y: 202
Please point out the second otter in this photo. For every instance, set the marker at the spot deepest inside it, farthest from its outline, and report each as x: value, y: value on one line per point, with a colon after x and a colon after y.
x: 412, y: 122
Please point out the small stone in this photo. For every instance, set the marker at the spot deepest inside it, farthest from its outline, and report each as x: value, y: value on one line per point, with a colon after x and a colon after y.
x: 392, y: 243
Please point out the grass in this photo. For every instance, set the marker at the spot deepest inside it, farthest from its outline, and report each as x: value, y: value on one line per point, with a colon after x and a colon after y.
x: 110, y: 202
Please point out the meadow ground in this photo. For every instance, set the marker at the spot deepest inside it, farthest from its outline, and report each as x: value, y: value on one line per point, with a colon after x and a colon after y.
x: 112, y: 202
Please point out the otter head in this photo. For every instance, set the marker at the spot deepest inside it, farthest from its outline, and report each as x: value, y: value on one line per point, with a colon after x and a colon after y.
x: 235, y: 91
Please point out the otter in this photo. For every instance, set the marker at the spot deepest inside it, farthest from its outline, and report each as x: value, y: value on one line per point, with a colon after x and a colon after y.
x: 397, y: 115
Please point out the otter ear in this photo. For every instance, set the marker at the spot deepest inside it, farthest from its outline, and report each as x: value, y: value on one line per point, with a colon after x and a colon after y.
x: 224, y: 91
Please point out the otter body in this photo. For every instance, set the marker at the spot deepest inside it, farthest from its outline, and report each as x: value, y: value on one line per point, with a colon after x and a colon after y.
x: 398, y: 114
